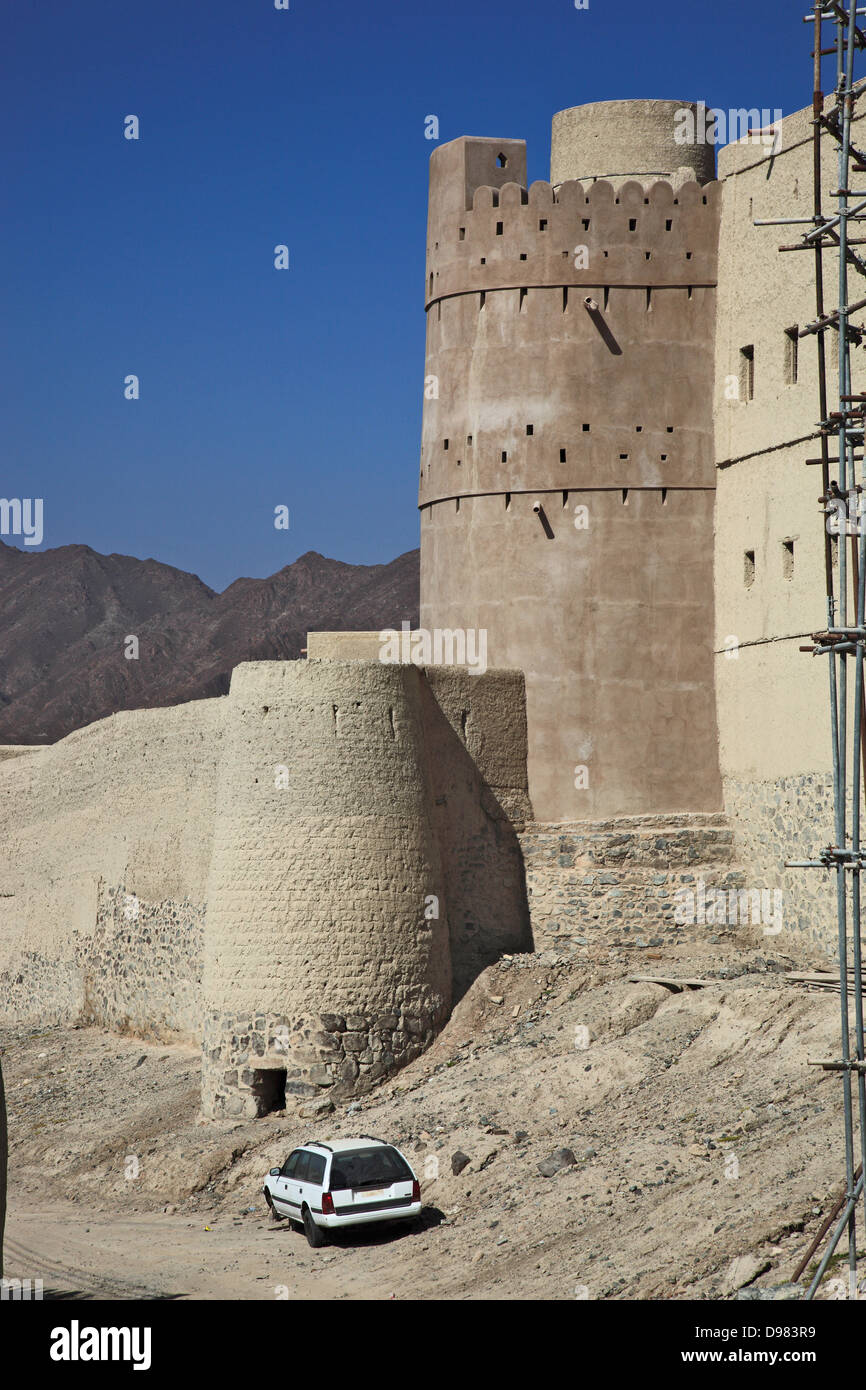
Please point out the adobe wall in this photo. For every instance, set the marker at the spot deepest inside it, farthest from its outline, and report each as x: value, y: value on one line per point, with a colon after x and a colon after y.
x: 348, y: 805
x: 107, y: 838
x: 544, y: 403
x: 773, y: 700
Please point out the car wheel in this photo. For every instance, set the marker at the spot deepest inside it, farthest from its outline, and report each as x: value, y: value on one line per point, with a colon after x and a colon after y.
x: 274, y: 1214
x: 315, y: 1235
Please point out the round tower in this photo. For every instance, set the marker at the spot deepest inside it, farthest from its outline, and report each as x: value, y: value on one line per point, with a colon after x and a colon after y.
x: 630, y: 139
x: 567, y: 472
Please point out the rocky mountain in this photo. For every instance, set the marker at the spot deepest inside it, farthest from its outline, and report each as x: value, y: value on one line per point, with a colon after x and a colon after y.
x: 65, y: 615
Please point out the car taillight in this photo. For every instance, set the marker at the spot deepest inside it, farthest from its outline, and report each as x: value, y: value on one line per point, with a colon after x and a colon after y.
x: 416, y: 1190
x: 327, y: 1204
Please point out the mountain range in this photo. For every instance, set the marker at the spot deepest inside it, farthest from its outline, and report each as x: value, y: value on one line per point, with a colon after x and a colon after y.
x: 66, y: 614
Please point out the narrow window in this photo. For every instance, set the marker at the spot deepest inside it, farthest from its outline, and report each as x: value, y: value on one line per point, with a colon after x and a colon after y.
x: 445, y: 444
x: 668, y: 225
x: 462, y: 233
x: 747, y: 372
x: 562, y: 458
x: 564, y: 300
x: 508, y: 501
x: 502, y: 161
x: 632, y: 224
x: 749, y: 568
x: 788, y: 559
x: 523, y: 294
x: 792, y: 343
x: 504, y: 456
x: 499, y: 228
x: 542, y: 225
x: 469, y: 440
x: 482, y: 299
x: 530, y: 429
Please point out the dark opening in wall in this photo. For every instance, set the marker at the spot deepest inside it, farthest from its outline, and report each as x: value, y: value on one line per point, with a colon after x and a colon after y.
x: 504, y: 456
x: 483, y: 260
x: 529, y: 429
x: 523, y: 255
x: 638, y: 429
x: 663, y: 458
x: 508, y: 501
x: 269, y: 1090
x: 430, y: 294
x: 482, y: 299
x: 456, y: 504
x: 747, y: 372
x: 624, y: 496
x: 523, y: 294
x: 462, y: 233
x: 499, y: 228
x: 586, y: 224
x: 632, y: 224
x: 564, y: 497
x: 669, y: 428
x: 564, y: 300
x: 749, y: 568
x: 788, y: 559
x: 542, y: 224
x: 792, y: 344
x: 585, y: 429
x: 688, y: 255
x: 502, y: 161
x: 562, y: 458
x: 664, y: 496
x: 469, y: 439
x: 623, y: 456
x: 668, y: 225
x: 444, y: 443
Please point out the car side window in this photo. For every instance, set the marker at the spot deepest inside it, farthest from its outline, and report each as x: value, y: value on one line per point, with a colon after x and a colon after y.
x: 291, y: 1164
x: 300, y: 1173
x: 316, y: 1169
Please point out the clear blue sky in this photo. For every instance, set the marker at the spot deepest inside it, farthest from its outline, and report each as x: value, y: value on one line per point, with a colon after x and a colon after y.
x: 261, y: 126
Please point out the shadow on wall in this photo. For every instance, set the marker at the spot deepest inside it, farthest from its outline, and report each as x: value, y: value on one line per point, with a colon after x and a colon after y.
x: 485, y: 882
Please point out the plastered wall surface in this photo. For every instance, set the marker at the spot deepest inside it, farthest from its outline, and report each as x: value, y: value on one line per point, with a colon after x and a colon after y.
x: 772, y: 699
x: 123, y: 807
x: 538, y: 404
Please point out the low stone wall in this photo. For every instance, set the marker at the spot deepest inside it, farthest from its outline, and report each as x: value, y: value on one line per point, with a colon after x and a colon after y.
x: 623, y: 879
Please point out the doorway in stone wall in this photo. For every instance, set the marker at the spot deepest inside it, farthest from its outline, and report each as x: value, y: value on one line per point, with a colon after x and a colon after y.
x: 269, y: 1090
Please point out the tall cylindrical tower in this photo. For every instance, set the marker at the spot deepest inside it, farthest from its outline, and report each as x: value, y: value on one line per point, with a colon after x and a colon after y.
x: 567, y: 471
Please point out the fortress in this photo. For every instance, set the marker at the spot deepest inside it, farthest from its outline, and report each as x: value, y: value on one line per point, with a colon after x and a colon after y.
x: 306, y: 874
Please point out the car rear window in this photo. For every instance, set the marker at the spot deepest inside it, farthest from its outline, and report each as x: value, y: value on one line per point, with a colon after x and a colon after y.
x: 368, y: 1168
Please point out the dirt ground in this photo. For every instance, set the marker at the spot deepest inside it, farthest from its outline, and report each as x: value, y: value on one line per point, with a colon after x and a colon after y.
x: 701, y: 1138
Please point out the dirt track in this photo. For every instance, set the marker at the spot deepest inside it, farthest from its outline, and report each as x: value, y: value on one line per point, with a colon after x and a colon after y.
x: 700, y: 1135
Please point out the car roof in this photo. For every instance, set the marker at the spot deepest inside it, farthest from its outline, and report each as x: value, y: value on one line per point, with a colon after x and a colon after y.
x: 338, y: 1146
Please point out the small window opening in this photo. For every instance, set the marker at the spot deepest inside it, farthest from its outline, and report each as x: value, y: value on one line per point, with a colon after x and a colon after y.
x: 792, y: 344
x: 462, y: 233
x: 638, y: 429
x: 585, y: 429
x: 632, y: 224
x: 521, y: 300
x: 747, y: 372
x: 504, y: 456
x: 483, y: 260
x: 523, y: 255
x: 445, y: 443
x: 502, y: 161
x: 508, y: 501
x: 542, y: 224
x: 585, y: 224
x: 564, y: 497
x: 482, y: 299
x: 668, y: 224
x: 625, y: 496
x: 688, y: 255
x: 530, y: 429
x: 469, y: 440
x: 623, y: 456
x: 564, y: 300
x: 749, y: 568
x: 788, y: 559
x: 562, y: 458
x: 500, y: 226
x: 664, y: 496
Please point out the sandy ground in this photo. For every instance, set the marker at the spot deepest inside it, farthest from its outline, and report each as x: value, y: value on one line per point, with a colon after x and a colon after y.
x: 700, y: 1135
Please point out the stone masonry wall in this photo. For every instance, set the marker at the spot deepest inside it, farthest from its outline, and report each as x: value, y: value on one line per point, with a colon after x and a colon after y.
x: 618, y: 880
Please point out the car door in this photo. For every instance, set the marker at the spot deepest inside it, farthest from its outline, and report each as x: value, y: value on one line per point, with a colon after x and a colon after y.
x: 312, y: 1181
x: 284, y: 1188
x: 295, y: 1183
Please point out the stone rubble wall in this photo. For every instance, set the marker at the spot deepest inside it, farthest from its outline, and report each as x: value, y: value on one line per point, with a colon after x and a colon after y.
x: 617, y: 880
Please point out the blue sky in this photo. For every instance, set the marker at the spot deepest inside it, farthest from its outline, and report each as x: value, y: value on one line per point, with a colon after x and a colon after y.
x: 261, y: 126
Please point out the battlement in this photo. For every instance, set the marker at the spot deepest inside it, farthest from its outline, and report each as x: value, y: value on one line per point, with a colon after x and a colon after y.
x: 576, y: 234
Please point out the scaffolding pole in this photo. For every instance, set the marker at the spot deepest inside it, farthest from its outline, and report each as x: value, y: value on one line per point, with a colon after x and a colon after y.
x: 843, y: 641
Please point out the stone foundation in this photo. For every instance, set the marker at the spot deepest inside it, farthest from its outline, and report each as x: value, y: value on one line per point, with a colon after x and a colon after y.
x: 622, y: 879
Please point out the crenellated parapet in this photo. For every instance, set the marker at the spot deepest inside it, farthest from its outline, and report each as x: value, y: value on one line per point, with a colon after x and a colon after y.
x: 579, y: 234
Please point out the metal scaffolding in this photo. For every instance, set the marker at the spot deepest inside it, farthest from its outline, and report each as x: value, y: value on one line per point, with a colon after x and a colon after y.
x: 842, y: 641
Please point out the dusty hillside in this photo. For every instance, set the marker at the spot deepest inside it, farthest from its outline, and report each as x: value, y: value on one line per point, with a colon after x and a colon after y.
x: 700, y: 1136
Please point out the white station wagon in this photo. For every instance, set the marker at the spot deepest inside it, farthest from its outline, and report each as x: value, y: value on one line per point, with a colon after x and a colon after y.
x: 349, y: 1182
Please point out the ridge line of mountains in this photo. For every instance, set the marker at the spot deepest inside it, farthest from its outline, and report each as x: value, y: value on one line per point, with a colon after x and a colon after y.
x: 65, y: 614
